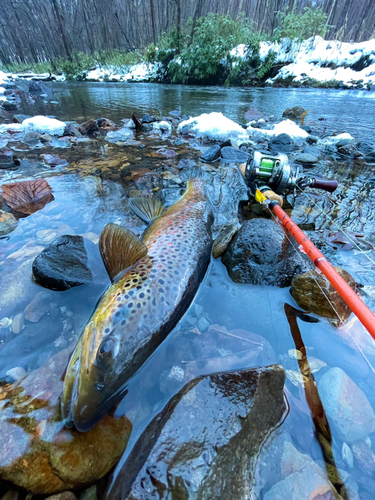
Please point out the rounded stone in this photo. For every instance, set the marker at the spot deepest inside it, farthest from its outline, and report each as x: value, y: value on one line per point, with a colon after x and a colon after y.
x: 346, y: 406
x: 8, y: 223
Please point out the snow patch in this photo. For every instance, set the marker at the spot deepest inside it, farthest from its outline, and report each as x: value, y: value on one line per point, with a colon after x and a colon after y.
x: 323, y: 60
x: 137, y: 73
x: 44, y: 125
x: 164, y: 126
x: 214, y: 127
x: 285, y: 127
x: 14, y: 127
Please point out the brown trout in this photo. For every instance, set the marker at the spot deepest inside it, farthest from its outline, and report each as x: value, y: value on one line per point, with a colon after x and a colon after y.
x: 160, y: 276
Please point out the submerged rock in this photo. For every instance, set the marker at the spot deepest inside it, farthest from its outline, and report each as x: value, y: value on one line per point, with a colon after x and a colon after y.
x: 39, y: 88
x: 261, y: 254
x: 223, y: 240
x: 346, y: 406
x: 63, y: 264
x: 8, y: 223
x: 33, y: 343
x: 38, y: 453
x: 206, y: 441
x: 308, y: 483
x: 310, y: 290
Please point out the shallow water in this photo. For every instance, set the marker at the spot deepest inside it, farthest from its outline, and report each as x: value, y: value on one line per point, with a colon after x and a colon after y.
x: 94, y: 189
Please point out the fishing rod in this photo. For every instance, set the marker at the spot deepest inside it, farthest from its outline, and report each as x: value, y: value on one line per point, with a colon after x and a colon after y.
x: 268, y: 178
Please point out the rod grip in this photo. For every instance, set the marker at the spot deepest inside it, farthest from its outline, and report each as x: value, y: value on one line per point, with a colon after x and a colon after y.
x: 325, y: 184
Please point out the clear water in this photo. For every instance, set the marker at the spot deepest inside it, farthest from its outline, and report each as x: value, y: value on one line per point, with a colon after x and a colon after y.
x: 91, y: 191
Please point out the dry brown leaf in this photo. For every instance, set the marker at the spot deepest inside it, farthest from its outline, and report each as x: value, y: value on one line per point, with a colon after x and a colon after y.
x: 303, y: 116
x: 27, y: 197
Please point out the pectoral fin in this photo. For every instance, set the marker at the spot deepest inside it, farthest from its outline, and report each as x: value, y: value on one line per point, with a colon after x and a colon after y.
x: 147, y: 209
x: 120, y: 249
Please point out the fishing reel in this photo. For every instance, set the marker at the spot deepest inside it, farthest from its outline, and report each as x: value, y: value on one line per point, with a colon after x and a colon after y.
x: 263, y: 169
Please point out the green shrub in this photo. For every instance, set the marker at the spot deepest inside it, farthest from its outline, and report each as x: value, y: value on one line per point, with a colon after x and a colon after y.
x: 302, y: 25
x: 203, y: 55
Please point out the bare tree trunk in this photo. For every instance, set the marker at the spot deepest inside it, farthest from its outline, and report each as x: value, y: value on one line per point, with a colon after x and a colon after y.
x: 59, y: 20
x: 153, y: 20
x: 197, y: 13
x: 178, y: 24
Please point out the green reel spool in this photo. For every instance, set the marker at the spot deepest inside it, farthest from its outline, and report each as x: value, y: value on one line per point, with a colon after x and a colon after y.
x: 267, y: 167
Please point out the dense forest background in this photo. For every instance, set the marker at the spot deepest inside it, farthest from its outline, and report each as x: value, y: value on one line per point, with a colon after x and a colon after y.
x: 38, y: 30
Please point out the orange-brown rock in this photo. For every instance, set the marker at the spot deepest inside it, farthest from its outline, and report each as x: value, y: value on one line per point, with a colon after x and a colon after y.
x: 37, y: 452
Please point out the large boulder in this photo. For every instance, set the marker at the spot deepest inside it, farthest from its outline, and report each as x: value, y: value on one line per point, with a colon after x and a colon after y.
x: 63, y: 264
x: 346, y: 406
x: 37, y: 452
x: 312, y: 290
x: 206, y: 441
x: 262, y: 254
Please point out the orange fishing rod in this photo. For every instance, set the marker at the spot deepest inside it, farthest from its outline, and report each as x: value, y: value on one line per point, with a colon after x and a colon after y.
x: 359, y: 308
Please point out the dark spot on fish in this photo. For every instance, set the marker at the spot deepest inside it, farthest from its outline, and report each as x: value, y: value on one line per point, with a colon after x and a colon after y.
x: 126, y: 296
x: 161, y: 282
x: 145, y: 316
x: 123, y: 322
x: 130, y: 305
x: 135, y: 281
x: 154, y: 302
x: 133, y: 311
x: 141, y: 295
x: 107, y: 330
x: 118, y: 313
x: 118, y: 299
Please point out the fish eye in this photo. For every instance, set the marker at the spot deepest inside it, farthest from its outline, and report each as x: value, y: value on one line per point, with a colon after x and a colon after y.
x: 107, y: 350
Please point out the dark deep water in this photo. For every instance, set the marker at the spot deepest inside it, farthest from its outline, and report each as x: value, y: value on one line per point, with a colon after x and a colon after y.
x: 91, y: 191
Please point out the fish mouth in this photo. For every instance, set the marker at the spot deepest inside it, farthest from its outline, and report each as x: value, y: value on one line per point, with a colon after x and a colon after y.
x: 86, y: 413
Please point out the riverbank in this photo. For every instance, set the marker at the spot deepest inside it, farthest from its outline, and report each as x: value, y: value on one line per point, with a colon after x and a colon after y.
x: 315, y: 62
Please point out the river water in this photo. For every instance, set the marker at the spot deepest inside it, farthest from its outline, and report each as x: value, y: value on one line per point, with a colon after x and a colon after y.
x: 92, y: 191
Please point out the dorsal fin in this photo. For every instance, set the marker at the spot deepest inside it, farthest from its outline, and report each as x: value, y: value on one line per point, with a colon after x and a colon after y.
x: 147, y: 209
x: 120, y: 249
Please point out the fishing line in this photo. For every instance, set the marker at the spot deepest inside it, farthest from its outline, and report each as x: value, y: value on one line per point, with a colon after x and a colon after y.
x: 298, y: 252
x: 335, y: 223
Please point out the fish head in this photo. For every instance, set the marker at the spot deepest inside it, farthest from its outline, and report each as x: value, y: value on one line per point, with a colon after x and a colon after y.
x: 99, y: 372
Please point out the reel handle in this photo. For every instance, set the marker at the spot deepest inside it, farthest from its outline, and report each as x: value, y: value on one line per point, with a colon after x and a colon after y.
x: 324, y: 184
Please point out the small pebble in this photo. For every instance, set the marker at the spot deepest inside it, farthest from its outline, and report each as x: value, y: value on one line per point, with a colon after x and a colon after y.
x: 18, y: 322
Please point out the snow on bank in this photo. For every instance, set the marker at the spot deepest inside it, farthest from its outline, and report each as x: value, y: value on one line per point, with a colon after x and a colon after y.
x: 137, y: 73
x: 320, y: 60
x: 213, y: 127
